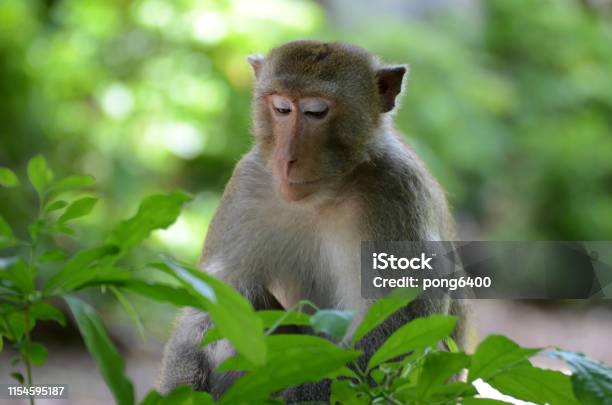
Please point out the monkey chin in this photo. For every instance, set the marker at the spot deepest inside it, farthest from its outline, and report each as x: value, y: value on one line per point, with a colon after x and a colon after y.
x: 294, y: 192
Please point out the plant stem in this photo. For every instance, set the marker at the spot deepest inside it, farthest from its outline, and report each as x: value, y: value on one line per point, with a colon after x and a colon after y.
x: 296, y: 308
x: 391, y: 399
x: 25, y: 357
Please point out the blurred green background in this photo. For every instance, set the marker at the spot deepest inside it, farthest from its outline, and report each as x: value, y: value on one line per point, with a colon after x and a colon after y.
x: 509, y: 102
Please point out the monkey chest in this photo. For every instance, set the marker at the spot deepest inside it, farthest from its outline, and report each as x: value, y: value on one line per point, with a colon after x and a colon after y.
x: 324, y: 267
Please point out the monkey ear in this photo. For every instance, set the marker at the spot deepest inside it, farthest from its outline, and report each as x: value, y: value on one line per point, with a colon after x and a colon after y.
x: 389, y: 81
x: 256, y: 62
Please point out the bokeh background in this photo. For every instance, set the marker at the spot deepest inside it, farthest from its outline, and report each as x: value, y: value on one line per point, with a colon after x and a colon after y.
x: 509, y: 102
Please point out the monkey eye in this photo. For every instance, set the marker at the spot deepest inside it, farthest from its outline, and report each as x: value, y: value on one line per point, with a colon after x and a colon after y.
x: 281, y: 105
x: 314, y: 107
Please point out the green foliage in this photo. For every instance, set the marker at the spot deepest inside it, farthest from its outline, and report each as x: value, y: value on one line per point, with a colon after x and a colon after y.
x: 37, y: 271
x: 418, y: 334
x: 592, y: 381
x: 535, y: 385
x: 334, y: 323
x: 149, y: 96
x: 381, y: 310
x: 157, y: 95
x: 497, y: 353
x: 292, y: 360
x: 8, y: 178
x: 39, y: 174
x: 77, y: 209
x: 105, y: 354
x: 155, y: 212
x: 232, y: 314
x: 409, y: 368
x: 182, y: 396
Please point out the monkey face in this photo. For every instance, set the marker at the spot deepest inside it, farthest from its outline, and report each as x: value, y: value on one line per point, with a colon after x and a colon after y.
x: 316, y: 108
x: 299, y: 127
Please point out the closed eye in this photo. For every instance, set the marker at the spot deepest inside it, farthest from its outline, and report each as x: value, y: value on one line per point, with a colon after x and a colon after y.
x: 317, y: 114
x: 281, y: 105
x: 314, y: 107
x: 282, y: 111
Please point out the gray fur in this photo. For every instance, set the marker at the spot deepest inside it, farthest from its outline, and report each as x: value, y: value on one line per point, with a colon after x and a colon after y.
x: 277, y: 252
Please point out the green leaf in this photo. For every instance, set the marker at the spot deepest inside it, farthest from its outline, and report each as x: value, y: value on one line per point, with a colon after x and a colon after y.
x: 270, y: 319
x: 182, y: 395
x: 497, y: 353
x: 452, y: 346
x: 72, y: 183
x: 236, y: 363
x: 343, y: 372
x: 18, y: 377
x: 6, y: 234
x: 377, y: 375
x: 380, y: 310
x: 292, y: 360
x: 161, y: 292
x: 5, y: 229
x: 1, y: 343
x: 342, y: 392
x: 8, y: 178
x: 102, y: 350
x: 35, y: 229
x: 191, y: 279
x: 438, y: 368
x: 36, y: 352
x: 61, y: 228
x: 45, y: 312
x: 129, y: 308
x: 56, y: 205
x: 78, y: 269
x: 21, y: 275
x: 53, y: 255
x: 451, y: 391
x: 535, y: 385
x: 482, y: 401
x: 104, y: 275
x: 417, y: 334
x: 231, y: 313
x: 78, y: 208
x: 212, y: 335
x: 155, y: 212
x: 16, y: 323
x: 332, y: 322
x: 276, y: 346
x: 591, y: 380
x: 275, y: 317
x: 39, y: 174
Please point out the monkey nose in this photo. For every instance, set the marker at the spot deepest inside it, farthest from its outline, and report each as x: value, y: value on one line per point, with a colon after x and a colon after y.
x: 289, y: 165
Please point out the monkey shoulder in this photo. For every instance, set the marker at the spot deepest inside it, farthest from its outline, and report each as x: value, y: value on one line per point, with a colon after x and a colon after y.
x: 240, y: 206
x: 405, y: 200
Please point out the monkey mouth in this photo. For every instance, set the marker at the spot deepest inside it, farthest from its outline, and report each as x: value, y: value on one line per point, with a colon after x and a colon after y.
x: 295, y: 190
x: 302, y: 183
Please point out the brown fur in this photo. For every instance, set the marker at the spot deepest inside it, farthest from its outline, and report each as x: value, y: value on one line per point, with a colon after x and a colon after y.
x: 276, y: 250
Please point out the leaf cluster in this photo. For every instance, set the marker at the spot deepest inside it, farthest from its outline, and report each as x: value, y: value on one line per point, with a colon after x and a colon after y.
x: 419, y: 363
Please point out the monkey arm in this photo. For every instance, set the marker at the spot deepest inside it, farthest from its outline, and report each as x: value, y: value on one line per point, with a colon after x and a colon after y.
x: 186, y: 362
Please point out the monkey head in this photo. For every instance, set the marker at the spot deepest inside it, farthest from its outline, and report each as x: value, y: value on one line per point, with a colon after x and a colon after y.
x: 316, y: 107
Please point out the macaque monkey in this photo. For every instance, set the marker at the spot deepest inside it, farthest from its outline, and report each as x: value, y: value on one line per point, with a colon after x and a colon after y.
x: 326, y: 171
